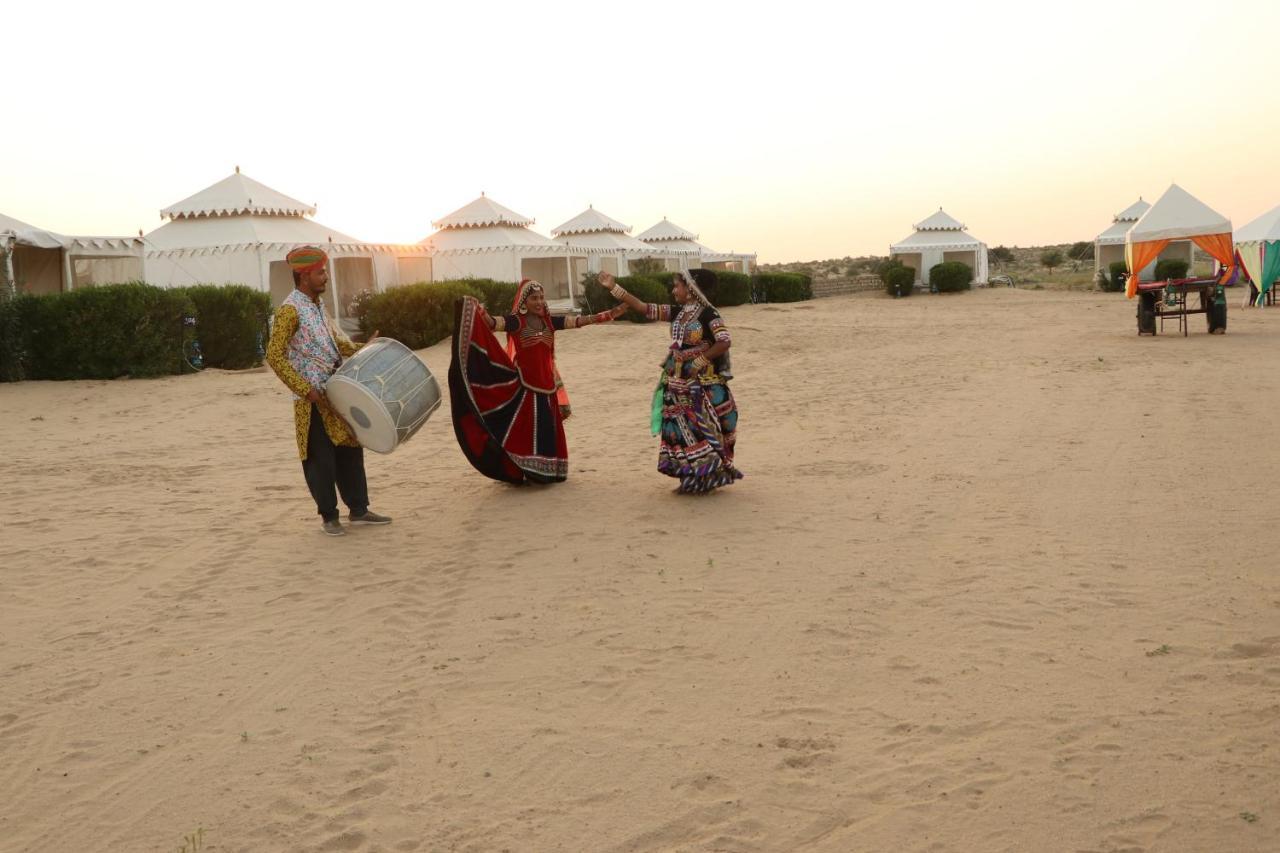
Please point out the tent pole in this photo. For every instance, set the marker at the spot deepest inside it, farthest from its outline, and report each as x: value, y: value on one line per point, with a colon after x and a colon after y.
x: 11, y: 286
x: 568, y: 266
x: 68, y: 283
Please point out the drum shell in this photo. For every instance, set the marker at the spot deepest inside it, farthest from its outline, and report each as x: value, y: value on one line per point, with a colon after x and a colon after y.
x: 385, y: 394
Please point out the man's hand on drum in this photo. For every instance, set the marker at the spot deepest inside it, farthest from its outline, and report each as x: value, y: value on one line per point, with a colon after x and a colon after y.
x: 317, y: 396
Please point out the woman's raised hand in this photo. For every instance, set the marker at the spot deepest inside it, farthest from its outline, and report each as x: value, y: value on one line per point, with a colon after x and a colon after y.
x: 607, y: 281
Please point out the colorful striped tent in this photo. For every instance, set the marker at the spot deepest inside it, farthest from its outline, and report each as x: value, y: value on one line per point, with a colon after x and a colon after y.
x: 1178, y: 215
x: 1258, y: 248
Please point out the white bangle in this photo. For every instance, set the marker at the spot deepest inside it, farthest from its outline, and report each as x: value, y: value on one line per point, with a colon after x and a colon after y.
x: 617, y: 291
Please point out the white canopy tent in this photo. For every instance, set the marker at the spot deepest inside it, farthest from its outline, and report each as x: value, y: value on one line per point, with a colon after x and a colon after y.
x: 683, y: 245
x: 939, y: 239
x: 486, y: 240
x: 1108, y: 247
x: 607, y: 239
x: 239, y: 231
x: 1176, y: 215
x: 1258, y: 246
x: 39, y: 261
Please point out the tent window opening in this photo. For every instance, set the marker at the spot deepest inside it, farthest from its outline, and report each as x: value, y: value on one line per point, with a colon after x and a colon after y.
x: 90, y: 272
x: 353, y: 276
x: 413, y: 270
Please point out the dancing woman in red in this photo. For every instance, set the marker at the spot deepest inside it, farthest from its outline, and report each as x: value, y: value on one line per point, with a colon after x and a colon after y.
x: 508, y: 402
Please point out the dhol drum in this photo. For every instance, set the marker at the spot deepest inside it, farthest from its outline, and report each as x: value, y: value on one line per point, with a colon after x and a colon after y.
x: 385, y: 393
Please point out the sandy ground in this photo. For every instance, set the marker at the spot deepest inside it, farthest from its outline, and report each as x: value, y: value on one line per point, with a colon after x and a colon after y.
x: 1002, y: 577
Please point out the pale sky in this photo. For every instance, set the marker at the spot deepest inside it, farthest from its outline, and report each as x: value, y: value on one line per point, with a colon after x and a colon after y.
x: 796, y: 130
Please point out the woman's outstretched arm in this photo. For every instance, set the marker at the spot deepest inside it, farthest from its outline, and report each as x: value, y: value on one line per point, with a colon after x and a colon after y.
x: 609, y: 283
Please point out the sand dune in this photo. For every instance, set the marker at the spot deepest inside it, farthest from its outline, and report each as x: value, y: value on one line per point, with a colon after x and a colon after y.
x: 1001, y: 577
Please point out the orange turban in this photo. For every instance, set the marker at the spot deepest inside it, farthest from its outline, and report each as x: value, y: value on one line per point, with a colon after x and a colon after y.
x: 306, y: 258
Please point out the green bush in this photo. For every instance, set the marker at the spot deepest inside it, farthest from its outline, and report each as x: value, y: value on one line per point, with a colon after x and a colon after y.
x: 1119, y: 270
x: 230, y: 323
x: 1171, y: 268
x: 951, y: 277
x: 1000, y: 254
x: 418, y: 315
x: 105, y: 332
x: 592, y: 298
x: 732, y: 288
x: 11, y: 343
x: 1081, y: 251
x: 495, y: 296
x: 783, y: 287
x: 899, y: 280
x: 654, y: 288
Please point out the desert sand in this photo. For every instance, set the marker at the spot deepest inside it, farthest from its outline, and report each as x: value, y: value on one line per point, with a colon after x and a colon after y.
x: 1002, y: 576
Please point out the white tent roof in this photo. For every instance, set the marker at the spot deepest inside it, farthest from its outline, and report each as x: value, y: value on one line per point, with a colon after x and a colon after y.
x: 1121, y: 223
x: 1133, y: 212
x: 244, y: 230
x: 1115, y: 234
x: 494, y: 238
x: 936, y: 240
x: 590, y: 221
x: 669, y: 237
x: 1177, y: 215
x: 939, y: 221
x: 240, y: 213
x: 939, y: 231
x: 29, y: 235
x: 667, y: 231
x: 235, y: 195
x: 1265, y: 228
x: 611, y: 242
x: 481, y: 213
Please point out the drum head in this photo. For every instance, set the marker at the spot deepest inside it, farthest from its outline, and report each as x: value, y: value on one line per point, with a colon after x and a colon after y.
x: 364, y: 412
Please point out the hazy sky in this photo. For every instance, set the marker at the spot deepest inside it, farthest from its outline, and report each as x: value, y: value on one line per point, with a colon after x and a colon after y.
x: 790, y: 129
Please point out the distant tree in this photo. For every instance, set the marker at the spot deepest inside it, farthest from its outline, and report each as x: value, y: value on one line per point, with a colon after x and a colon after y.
x: 1051, y: 259
x: 1001, y: 255
x: 1082, y: 251
x: 646, y: 266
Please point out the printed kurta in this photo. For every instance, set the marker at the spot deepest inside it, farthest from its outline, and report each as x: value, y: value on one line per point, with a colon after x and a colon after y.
x: 297, y: 352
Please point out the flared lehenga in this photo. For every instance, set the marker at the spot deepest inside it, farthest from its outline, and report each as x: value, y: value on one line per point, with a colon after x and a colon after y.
x: 508, y: 428
x: 699, y: 417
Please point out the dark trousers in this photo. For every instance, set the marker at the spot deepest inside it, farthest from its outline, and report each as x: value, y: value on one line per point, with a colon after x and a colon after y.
x: 327, y: 464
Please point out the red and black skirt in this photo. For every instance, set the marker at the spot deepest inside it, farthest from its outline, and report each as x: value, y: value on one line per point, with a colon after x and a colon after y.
x: 506, y: 430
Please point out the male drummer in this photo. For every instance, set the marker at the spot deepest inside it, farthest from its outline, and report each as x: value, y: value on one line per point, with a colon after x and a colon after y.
x: 304, y: 351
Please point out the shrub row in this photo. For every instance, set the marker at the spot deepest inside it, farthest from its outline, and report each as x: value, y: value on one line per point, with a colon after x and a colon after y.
x: 130, y: 329
x: 732, y: 288
x: 419, y: 315
x: 231, y: 323
x: 783, y: 287
x: 98, y: 333
x: 655, y: 288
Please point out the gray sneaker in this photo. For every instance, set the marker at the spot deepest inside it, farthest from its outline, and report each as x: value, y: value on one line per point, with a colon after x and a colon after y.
x: 333, y: 527
x: 369, y: 518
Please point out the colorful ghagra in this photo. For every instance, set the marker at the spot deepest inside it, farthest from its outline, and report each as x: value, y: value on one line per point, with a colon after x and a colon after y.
x: 699, y: 418
x: 505, y: 413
